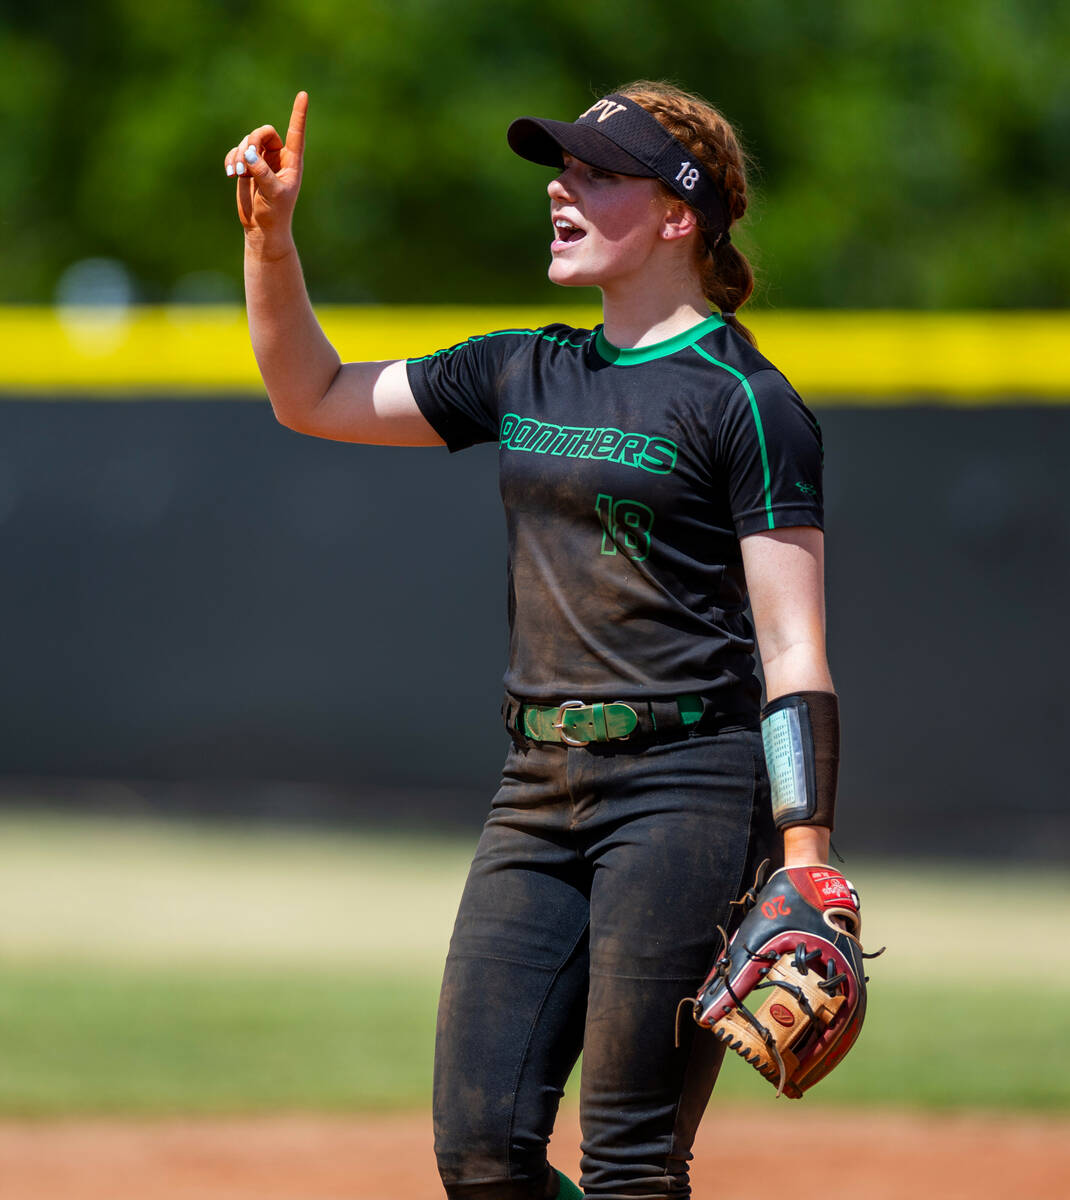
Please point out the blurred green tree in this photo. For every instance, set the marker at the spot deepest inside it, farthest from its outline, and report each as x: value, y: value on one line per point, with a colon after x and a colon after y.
x: 912, y: 154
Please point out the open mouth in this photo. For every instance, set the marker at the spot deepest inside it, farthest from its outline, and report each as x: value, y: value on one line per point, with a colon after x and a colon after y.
x: 566, y: 233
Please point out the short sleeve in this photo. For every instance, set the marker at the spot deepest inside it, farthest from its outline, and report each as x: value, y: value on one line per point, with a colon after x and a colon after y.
x: 456, y: 391
x: 769, y: 448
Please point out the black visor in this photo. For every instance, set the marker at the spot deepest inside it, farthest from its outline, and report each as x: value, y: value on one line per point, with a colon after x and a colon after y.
x: 616, y: 134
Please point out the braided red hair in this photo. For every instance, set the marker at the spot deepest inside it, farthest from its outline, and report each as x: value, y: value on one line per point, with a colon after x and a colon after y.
x: 727, y: 278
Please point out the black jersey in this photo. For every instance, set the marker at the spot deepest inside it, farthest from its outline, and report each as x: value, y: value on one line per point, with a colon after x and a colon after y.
x: 628, y: 478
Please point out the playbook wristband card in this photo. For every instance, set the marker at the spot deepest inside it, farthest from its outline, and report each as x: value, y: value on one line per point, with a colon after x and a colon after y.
x: 801, y: 738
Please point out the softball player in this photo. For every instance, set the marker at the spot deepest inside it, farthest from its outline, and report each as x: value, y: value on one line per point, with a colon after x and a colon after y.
x: 658, y: 475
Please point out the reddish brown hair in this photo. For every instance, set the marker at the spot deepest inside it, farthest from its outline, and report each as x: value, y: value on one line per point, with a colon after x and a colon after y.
x: 727, y: 278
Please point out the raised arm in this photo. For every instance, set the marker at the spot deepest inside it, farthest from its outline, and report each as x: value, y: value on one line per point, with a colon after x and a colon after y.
x: 785, y: 572
x: 309, y: 387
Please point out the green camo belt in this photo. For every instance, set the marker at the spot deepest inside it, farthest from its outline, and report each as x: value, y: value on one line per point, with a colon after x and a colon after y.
x: 576, y: 723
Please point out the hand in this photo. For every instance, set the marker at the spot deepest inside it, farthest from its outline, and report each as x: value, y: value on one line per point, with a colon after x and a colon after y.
x: 806, y: 845
x: 269, y: 177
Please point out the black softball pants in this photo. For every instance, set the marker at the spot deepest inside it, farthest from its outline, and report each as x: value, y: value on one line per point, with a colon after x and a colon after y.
x: 589, y: 912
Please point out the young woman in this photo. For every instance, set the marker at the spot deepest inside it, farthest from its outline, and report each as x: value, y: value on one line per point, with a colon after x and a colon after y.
x: 658, y: 475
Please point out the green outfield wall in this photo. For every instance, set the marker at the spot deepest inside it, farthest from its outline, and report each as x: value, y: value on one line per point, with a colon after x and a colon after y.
x: 222, y: 612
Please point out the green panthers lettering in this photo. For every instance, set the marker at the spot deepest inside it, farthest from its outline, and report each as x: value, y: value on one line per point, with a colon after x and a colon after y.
x: 642, y: 451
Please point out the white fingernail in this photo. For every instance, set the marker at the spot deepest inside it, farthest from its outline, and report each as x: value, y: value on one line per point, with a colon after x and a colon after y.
x: 250, y: 155
x: 230, y: 169
x: 240, y: 168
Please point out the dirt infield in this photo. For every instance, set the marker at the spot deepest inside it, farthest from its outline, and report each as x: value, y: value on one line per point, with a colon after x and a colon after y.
x: 886, y: 1156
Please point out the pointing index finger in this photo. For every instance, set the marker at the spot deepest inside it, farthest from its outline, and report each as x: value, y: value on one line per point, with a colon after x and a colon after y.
x: 295, y: 134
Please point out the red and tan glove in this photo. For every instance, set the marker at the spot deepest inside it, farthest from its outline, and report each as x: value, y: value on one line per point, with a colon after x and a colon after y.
x: 798, y: 961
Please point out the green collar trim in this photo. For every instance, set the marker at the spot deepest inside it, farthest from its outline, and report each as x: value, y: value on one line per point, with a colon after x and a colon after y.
x: 622, y: 357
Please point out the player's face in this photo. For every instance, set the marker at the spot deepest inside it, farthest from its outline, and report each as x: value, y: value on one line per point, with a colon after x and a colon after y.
x: 605, y: 226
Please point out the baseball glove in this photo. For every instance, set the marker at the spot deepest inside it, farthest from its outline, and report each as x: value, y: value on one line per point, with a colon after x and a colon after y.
x: 799, y: 944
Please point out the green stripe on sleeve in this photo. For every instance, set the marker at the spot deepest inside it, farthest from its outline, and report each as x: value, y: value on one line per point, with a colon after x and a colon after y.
x: 757, y: 425
x: 482, y: 337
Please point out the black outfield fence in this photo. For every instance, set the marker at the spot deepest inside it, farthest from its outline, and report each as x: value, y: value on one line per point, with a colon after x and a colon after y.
x: 229, y: 616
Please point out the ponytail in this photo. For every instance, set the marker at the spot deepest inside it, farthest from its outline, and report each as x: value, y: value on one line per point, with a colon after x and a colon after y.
x: 727, y: 281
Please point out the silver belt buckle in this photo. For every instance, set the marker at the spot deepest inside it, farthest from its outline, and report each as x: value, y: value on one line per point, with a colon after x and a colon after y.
x: 559, y: 724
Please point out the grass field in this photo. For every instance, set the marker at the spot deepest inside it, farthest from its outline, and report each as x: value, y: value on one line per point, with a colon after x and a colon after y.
x: 168, y: 968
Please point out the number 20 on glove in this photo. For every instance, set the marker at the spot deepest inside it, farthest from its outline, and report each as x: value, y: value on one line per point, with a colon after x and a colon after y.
x: 789, y: 992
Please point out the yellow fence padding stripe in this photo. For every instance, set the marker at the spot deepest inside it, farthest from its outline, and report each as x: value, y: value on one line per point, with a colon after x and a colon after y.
x: 831, y: 356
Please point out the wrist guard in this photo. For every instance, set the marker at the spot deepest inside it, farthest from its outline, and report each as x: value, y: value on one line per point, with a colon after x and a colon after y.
x: 801, y: 736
